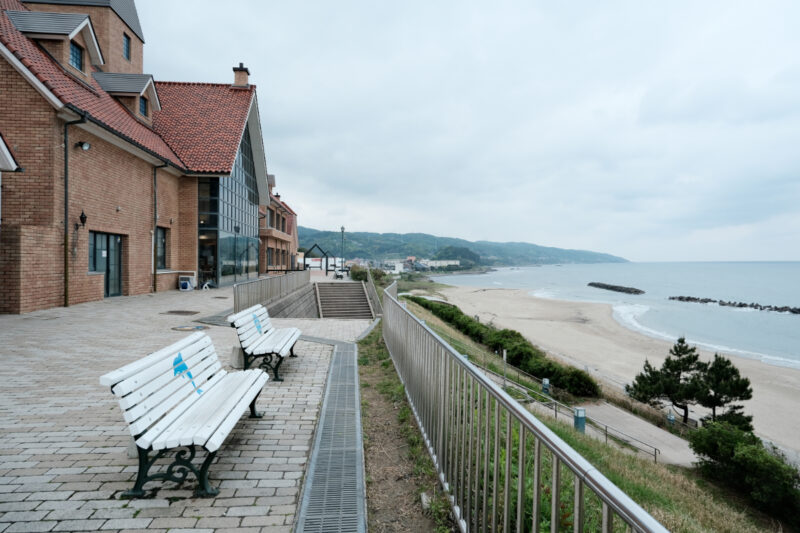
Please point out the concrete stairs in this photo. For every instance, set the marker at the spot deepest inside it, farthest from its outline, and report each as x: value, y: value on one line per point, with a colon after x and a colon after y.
x: 343, y: 300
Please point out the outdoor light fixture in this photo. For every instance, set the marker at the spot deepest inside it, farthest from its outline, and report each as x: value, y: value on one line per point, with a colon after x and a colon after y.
x: 83, y: 145
x: 82, y: 218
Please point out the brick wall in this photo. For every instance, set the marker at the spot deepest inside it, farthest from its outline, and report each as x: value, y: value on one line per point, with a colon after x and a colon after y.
x: 187, y: 224
x: 109, y: 29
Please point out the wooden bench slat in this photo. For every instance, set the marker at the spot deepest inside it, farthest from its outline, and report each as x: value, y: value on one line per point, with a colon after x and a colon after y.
x: 126, y: 371
x: 158, y: 367
x: 149, y: 434
x: 275, y: 343
x: 206, y: 357
x: 233, y: 406
x: 185, y: 386
x: 195, y: 414
x: 245, y: 312
x: 218, y: 437
x: 247, y: 319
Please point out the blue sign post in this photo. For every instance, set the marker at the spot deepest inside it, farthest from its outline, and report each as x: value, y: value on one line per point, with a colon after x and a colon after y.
x: 580, y: 419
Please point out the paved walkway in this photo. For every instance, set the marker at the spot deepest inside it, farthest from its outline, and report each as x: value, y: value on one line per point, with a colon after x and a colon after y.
x: 63, y: 460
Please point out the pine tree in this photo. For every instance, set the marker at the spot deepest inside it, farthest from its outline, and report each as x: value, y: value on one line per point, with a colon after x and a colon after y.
x: 723, y: 385
x: 677, y: 381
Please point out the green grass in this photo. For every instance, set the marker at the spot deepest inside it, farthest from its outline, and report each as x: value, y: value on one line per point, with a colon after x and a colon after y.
x: 373, y: 352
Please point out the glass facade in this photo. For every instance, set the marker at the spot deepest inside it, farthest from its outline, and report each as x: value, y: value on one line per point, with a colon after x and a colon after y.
x: 228, y: 223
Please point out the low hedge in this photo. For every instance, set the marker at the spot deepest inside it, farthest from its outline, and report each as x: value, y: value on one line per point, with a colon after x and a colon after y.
x: 520, y: 352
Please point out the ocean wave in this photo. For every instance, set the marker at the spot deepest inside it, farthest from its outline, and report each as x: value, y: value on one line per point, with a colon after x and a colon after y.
x: 627, y: 315
x: 544, y: 294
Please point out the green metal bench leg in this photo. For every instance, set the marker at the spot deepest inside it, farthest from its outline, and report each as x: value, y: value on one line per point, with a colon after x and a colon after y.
x: 266, y: 363
x: 177, y: 471
x: 204, y: 488
x: 253, y: 413
x: 141, y: 475
x: 291, y: 351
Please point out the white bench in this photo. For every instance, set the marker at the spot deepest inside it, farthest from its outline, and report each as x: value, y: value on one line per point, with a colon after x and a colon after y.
x: 259, y: 339
x: 180, y: 397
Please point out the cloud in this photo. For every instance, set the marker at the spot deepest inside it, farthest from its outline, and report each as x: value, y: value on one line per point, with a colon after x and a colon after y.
x: 627, y: 128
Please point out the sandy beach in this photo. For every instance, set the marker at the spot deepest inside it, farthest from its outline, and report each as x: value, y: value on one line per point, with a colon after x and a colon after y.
x: 587, y: 336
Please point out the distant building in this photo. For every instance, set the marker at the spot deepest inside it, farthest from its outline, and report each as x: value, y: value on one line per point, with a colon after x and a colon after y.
x: 278, y: 233
x: 436, y: 263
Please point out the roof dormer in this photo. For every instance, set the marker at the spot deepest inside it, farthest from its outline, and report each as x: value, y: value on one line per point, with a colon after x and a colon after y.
x: 69, y: 37
x: 137, y: 92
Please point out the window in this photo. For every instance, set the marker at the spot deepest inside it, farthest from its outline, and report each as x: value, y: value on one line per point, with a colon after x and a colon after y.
x: 126, y: 46
x: 161, y: 248
x: 76, y: 55
x: 143, y: 106
x: 283, y: 224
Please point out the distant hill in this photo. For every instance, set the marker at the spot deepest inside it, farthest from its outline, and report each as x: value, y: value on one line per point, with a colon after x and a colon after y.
x: 399, y: 246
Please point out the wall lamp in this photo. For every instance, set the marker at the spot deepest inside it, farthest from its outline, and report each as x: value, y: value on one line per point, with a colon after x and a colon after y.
x: 83, y: 145
x: 82, y: 218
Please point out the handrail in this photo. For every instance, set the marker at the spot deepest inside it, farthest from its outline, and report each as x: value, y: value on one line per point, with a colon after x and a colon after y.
x: 457, y: 407
x: 266, y: 290
x: 372, y: 293
x: 547, y: 401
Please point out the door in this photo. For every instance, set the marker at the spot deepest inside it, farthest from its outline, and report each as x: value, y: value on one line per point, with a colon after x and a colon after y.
x: 114, y: 266
x: 105, y: 257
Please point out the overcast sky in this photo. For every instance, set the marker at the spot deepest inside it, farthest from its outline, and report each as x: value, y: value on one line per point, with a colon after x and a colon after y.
x: 651, y: 130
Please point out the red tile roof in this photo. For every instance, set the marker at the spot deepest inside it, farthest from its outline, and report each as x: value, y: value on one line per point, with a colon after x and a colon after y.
x: 198, y: 128
x: 203, y: 122
x: 91, y: 99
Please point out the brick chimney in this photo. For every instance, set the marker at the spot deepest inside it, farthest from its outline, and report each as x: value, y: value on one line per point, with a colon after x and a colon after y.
x: 241, y: 76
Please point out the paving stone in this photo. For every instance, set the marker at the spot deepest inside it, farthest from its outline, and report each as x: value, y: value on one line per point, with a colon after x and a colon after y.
x: 173, y: 523
x: 23, y: 516
x: 219, y: 521
x: 79, y: 525
x: 250, y: 510
x: 19, y: 527
x: 127, y: 523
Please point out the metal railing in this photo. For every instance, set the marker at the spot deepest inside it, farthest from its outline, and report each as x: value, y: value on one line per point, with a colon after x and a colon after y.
x: 501, y: 467
x: 372, y: 294
x: 266, y: 290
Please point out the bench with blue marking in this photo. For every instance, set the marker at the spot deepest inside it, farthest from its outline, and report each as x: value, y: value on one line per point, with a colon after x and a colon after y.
x: 259, y: 339
x: 180, y: 398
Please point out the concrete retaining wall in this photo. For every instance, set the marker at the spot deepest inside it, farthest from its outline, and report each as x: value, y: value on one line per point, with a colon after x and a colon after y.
x: 302, y: 303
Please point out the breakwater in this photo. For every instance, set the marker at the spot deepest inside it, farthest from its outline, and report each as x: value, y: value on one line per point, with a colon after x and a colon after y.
x: 741, y: 305
x: 615, y: 288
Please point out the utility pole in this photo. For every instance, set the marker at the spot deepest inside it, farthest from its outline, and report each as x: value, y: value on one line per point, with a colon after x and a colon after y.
x: 342, y: 267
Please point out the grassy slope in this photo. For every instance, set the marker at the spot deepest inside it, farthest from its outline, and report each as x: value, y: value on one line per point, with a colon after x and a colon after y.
x: 674, y: 496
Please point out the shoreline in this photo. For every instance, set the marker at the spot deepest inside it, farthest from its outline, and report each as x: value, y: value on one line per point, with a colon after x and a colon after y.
x: 587, y: 335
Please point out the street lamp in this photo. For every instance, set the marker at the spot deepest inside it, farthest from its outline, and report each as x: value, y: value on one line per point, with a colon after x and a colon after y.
x: 342, y: 247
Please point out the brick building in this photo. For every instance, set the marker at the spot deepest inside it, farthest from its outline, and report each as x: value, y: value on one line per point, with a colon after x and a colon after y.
x: 113, y: 183
x: 278, y: 232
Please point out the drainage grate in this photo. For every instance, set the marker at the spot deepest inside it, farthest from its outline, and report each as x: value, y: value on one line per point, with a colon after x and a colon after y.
x: 182, y: 313
x: 334, y: 494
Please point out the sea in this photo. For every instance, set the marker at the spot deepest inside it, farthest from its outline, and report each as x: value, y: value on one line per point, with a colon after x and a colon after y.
x: 771, y: 337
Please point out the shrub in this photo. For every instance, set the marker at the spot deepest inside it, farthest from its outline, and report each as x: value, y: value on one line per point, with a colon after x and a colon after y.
x: 520, y: 352
x: 357, y: 273
x: 739, y: 459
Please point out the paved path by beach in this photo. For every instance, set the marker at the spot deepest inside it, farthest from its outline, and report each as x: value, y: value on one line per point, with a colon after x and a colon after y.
x: 63, y: 460
x: 673, y: 450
